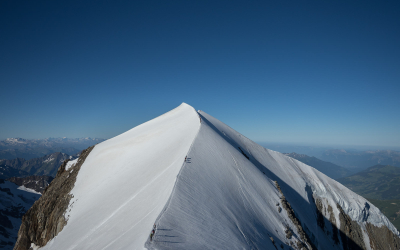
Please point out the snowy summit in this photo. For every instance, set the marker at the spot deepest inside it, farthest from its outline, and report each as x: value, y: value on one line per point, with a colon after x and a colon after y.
x: 185, y: 180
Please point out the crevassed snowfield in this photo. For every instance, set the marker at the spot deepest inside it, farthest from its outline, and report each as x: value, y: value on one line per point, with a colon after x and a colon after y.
x: 125, y: 182
x: 222, y: 197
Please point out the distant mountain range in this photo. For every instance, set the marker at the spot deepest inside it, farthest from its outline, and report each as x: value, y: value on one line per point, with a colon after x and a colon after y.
x: 46, y: 165
x: 360, y: 160
x: 14, y: 202
x: 378, y: 182
x: 18, y: 192
x: 7, y: 171
x: 353, y: 159
x: 34, y: 182
x: 23, y: 148
x: 332, y: 170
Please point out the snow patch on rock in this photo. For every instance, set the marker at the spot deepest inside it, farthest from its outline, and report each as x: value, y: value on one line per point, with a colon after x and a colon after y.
x: 70, y: 164
x: 23, y: 188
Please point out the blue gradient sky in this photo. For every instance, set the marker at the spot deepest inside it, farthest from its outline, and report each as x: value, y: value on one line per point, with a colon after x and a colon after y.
x: 313, y: 72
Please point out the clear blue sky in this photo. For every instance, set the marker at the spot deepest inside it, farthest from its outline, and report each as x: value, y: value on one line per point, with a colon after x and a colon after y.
x: 314, y: 72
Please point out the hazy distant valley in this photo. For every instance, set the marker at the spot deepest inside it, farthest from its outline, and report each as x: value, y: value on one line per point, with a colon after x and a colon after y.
x: 24, y: 148
x: 332, y: 170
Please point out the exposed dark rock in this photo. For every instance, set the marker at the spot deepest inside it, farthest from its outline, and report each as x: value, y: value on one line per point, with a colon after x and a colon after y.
x: 273, y: 242
x: 306, y: 242
x: 350, y: 232
x: 46, y: 218
x: 243, y: 153
x: 320, y: 216
x: 288, y: 232
x: 35, y: 182
x: 382, y: 237
x: 332, y: 219
x: 300, y: 245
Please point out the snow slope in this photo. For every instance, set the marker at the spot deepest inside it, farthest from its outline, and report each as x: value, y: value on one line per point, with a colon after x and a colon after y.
x: 223, y: 197
x: 125, y: 182
x: 218, y: 161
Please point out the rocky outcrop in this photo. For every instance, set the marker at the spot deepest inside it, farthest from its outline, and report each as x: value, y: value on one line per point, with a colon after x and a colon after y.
x: 350, y: 232
x: 382, y: 237
x: 326, y: 219
x: 332, y: 220
x: 320, y: 216
x: 35, y: 182
x: 305, y: 242
x: 46, y: 218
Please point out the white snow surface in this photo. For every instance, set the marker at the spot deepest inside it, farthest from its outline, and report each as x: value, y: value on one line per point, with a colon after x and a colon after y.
x: 222, y: 200
x: 34, y: 247
x: 125, y: 182
x: 70, y: 164
x: 30, y: 190
x: 51, y: 158
x: 222, y: 197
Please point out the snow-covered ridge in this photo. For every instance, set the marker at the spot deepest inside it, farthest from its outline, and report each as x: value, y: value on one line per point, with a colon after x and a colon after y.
x: 298, y: 175
x: 125, y: 182
x: 205, y: 186
x: 226, y: 198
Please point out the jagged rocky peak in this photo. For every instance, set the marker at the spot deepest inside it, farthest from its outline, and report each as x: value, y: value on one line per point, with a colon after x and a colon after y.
x: 185, y: 180
x: 35, y: 182
x: 45, y: 219
x: 14, y: 202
